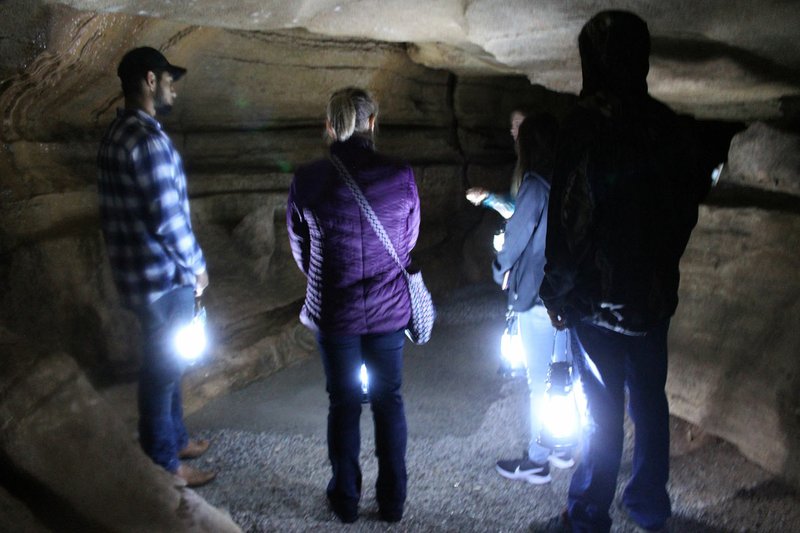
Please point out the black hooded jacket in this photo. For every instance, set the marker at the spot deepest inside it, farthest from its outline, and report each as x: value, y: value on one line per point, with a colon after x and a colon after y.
x: 625, y: 192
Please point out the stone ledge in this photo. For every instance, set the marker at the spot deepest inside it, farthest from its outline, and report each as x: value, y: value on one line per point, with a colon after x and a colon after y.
x: 61, y: 438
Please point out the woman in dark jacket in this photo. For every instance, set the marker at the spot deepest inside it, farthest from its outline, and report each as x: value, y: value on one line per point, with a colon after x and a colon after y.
x: 357, y: 300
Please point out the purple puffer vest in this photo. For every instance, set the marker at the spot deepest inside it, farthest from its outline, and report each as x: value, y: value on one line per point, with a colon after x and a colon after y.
x: 354, y: 286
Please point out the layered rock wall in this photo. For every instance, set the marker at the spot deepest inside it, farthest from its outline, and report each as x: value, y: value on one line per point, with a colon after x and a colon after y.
x: 733, y: 58
x: 250, y: 110
x: 67, y: 456
x: 731, y: 372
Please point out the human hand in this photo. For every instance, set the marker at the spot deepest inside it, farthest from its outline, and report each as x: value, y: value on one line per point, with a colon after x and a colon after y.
x: 475, y: 195
x: 558, y: 321
x: 200, y: 284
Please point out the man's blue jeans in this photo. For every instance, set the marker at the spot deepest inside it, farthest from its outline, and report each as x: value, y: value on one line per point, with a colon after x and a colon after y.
x: 539, y: 340
x: 161, y: 430
x: 342, y: 357
x: 610, y: 362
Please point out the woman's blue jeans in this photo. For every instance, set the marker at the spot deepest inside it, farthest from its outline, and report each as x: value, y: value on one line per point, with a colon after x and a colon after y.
x: 539, y: 340
x: 161, y: 429
x: 342, y: 356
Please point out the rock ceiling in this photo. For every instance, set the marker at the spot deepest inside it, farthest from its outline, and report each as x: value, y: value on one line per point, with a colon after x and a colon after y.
x: 261, y: 70
x: 734, y: 58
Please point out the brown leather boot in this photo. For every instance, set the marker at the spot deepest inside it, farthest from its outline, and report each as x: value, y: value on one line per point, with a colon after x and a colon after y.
x: 194, y: 449
x: 193, y: 476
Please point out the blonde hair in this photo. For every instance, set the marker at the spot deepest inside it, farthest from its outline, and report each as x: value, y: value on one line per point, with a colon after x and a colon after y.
x: 349, y: 111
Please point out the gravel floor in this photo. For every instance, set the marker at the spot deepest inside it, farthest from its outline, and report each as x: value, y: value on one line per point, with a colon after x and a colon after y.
x: 269, y: 448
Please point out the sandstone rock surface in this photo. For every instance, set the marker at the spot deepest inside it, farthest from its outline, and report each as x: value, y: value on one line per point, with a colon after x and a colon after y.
x: 733, y: 342
x: 447, y: 74
x: 766, y: 157
x: 722, y: 56
x: 249, y: 111
x: 65, y: 450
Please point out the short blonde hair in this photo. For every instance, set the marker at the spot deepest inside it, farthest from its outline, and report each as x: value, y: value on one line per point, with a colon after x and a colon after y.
x: 349, y: 111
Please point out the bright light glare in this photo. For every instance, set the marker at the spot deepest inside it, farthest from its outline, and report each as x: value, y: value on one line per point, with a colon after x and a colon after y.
x: 560, y: 416
x: 364, y: 378
x: 581, y: 403
x: 498, y: 241
x: 190, y: 341
x: 512, y: 351
x: 716, y: 173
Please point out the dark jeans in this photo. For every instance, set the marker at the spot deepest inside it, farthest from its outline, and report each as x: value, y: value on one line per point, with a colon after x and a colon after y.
x: 610, y: 363
x: 342, y: 357
x: 161, y: 430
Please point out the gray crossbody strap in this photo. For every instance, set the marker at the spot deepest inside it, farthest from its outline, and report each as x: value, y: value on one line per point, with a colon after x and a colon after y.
x: 368, y: 212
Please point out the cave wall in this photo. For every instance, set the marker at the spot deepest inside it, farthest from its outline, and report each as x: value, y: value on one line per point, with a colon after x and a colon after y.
x: 251, y: 109
x: 734, y: 370
x: 733, y: 58
x: 734, y: 340
x: 68, y: 463
x: 248, y: 112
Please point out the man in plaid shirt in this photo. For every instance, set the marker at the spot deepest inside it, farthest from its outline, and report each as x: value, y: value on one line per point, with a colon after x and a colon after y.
x: 156, y: 263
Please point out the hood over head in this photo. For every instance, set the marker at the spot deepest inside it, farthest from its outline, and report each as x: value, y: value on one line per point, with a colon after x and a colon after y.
x: 615, y: 51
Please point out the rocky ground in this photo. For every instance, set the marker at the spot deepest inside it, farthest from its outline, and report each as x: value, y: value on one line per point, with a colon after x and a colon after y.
x: 269, y: 448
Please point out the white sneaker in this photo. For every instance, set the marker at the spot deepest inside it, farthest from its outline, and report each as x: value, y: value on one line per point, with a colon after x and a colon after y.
x: 561, y: 459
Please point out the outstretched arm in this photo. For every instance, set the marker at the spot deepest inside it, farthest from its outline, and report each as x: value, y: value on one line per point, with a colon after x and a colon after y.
x: 502, y: 203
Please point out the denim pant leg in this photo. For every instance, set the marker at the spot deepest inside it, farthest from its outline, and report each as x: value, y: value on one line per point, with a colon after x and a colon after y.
x: 538, y: 336
x: 161, y: 429
x: 645, y: 496
x: 601, y: 363
x: 178, y: 426
x: 341, y: 358
x: 383, y: 355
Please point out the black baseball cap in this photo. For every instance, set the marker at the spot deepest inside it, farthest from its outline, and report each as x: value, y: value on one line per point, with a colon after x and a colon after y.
x: 139, y: 61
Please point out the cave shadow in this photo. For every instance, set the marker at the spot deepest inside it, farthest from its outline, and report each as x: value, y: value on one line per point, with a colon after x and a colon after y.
x: 742, y: 196
x: 772, y: 489
x: 676, y: 523
x: 48, y: 507
x: 788, y: 403
x: 682, y: 523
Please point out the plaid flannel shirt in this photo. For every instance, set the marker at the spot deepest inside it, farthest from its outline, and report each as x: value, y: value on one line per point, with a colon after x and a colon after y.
x: 144, y: 210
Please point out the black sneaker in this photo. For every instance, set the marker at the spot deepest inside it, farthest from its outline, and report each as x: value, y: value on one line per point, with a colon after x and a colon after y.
x: 392, y: 515
x: 561, y: 459
x: 524, y: 470
x: 346, y: 513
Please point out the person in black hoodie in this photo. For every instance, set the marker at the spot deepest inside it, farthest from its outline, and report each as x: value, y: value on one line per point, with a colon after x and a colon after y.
x: 627, y: 182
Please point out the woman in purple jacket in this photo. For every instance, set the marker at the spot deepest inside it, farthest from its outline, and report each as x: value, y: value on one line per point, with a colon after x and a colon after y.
x: 357, y: 300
